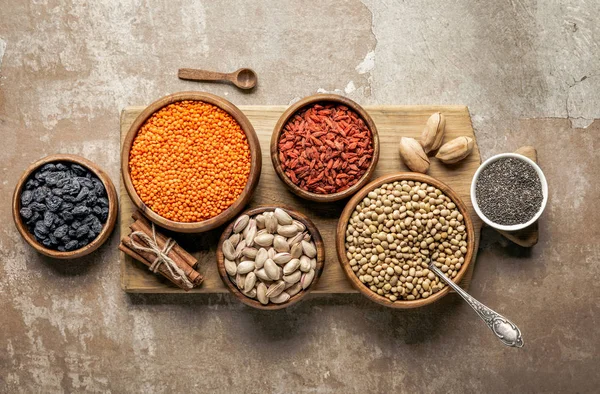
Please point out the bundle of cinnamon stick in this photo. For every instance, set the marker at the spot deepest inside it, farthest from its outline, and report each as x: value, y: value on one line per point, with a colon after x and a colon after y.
x: 182, y: 259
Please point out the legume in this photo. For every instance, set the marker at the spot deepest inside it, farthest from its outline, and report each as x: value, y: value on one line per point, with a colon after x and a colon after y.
x: 396, y: 231
x: 190, y: 161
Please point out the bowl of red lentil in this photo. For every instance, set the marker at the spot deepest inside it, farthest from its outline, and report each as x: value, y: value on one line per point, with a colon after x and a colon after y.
x: 325, y: 147
x: 191, y: 161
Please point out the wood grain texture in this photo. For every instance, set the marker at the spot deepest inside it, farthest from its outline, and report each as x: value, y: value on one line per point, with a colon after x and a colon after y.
x: 107, y: 228
x: 307, y: 102
x: 392, y: 123
x: 358, y: 197
x: 528, y: 236
x: 316, y: 238
x: 253, y: 177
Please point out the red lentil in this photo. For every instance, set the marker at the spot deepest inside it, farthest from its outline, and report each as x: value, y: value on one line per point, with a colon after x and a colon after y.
x: 190, y: 161
x: 325, y: 148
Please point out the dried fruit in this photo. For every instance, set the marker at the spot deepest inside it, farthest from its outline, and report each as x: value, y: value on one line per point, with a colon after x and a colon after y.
x: 433, y: 132
x: 455, y: 150
x: 413, y: 155
x: 48, y: 210
x: 325, y: 149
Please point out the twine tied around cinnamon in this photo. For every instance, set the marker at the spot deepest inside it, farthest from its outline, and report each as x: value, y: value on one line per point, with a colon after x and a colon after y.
x: 162, y: 256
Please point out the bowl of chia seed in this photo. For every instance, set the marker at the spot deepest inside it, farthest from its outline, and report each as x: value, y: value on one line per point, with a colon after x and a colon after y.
x: 509, y: 192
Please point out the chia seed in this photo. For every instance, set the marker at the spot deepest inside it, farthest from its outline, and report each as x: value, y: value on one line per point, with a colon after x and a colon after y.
x: 509, y: 191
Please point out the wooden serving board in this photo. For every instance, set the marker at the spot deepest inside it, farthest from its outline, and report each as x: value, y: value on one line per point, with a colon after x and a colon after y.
x: 393, y: 122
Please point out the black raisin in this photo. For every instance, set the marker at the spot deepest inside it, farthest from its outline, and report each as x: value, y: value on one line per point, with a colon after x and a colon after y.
x: 76, y: 224
x: 47, y: 242
x: 62, y: 182
x: 61, y: 231
x: 54, y: 177
x: 71, y: 245
x: 26, y: 213
x: 91, y: 200
x: 77, y: 169
x: 72, y: 233
x: 82, y: 231
x: 99, y: 188
x: 53, y: 239
x: 97, y: 210
x: 81, y: 210
x: 66, y: 206
x: 61, y: 248
x: 53, y: 203
x: 57, y: 191
x: 103, y: 202
x: 48, y: 167
x: 41, y: 175
x: 49, y: 218
x: 37, y: 206
x: 66, y: 215
x: 88, y: 219
x: 31, y: 184
x: 85, y: 182
x: 41, y: 193
x: 91, y: 235
x: 82, y: 243
x: 96, y: 227
x: 34, y: 218
x: 65, y: 239
x: 72, y: 187
x: 83, y: 193
x: 26, y: 197
x: 61, y: 167
x: 104, y: 214
x: 69, y: 198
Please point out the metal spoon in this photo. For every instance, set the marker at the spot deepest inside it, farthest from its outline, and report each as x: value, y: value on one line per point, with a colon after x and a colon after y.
x: 244, y: 78
x: 504, y: 329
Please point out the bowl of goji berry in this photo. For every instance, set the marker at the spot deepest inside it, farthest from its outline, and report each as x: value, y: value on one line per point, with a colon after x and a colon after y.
x: 325, y: 147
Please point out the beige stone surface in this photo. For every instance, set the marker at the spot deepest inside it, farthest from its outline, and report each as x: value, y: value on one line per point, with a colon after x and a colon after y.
x: 528, y: 70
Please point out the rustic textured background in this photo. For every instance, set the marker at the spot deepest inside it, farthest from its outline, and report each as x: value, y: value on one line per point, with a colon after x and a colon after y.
x: 528, y: 70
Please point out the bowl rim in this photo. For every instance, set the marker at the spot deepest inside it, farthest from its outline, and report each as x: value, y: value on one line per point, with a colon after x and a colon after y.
x: 355, y: 200
x: 108, y: 226
x: 255, y: 162
x: 315, y: 235
x: 301, y: 104
x: 514, y: 227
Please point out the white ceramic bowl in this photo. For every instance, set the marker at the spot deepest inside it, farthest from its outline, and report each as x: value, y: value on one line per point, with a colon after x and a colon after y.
x: 514, y: 227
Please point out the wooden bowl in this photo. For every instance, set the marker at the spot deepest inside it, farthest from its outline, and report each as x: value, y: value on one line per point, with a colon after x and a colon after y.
x: 351, y: 206
x: 291, y: 111
x: 316, y: 237
x: 107, y: 228
x: 255, y: 164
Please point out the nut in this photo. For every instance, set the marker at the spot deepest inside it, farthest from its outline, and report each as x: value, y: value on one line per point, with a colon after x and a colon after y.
x: 413, y: 155
x: 455, y: 150
x: 433, y: 132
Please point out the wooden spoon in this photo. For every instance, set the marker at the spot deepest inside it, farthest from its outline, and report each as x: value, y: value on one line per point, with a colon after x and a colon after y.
x: 244, y: 78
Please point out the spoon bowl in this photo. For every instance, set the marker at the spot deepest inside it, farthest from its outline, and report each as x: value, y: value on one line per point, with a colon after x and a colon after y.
x: 244, y: 78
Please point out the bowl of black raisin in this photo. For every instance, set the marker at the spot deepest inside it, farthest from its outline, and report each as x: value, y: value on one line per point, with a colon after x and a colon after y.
x: 65, y: 206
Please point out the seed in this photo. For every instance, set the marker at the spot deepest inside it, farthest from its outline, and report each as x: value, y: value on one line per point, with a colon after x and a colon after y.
x: 296, y: 250
x: 293, y: 277
x: 235, y: 239
x: 282, y: 258
x: 282, y: 217
x: 272, y: 270
x: 294, y: 289
x: 280, y: 244
x: 291, y: 266
x: 261, y: 294
x: 287, y: 231
x: 275, y: 289
x: 307, y: 278
x: 262, y: 275
x: 240, y: 224
x: 249, y: 252
x: 299, y: 225
x: 271, y: 224
x: 245, y: 266
x: 228, y: 250
x: 230, y: 267
x: 280, y: 299
x: 309, y: 249
x: 264, y: 240
x: 260, y: 258
x: 250, y: 233
x: 239, y: 248
x: 250, y: 281
x: 305, y: 265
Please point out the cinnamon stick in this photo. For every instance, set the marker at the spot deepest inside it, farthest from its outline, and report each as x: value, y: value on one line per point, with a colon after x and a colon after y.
x: 142, y: 224
x: 161, y: 269
x: 191, y: 274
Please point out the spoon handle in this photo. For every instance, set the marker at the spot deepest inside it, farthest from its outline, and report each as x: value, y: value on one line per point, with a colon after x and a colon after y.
x: 194, y: 74
x: 504, y: 329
